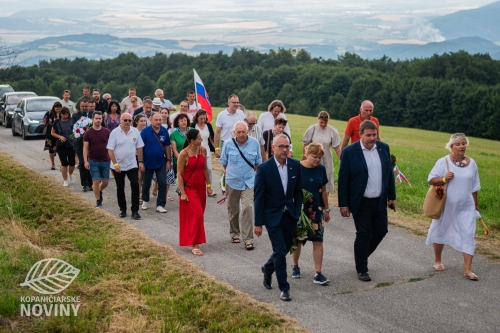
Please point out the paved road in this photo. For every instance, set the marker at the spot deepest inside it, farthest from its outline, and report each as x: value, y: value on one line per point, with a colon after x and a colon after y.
x: 443, y: 302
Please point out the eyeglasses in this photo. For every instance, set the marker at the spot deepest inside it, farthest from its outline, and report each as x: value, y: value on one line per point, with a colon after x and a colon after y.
x: 108, y: 99
x: 283, y: 147
x: 127, y: 120
x: 249, y: 123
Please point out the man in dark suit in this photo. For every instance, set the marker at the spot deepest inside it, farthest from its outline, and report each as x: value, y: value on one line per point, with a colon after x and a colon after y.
x: 277, y: 202
x: 85, y: 179
x: 366, y: 187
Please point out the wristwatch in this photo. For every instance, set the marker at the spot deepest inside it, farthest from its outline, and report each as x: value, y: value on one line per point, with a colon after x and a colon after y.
x: 141, y: 162
x: 327, y: 210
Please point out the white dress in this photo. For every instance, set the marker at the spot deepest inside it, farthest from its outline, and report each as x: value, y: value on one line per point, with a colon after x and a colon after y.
x: 457, y: 225
x: 205, y: 136
x: 329, y: 137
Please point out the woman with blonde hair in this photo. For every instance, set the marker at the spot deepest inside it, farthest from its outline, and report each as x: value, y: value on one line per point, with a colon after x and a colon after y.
x: 329, y: 137
x: 314, y: 180
x: 457, y: 224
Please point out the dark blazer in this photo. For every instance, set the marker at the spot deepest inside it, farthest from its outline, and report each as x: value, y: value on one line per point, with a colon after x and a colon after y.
x: 269, y: 199
x: 353, y: 177
x: 77, y: 115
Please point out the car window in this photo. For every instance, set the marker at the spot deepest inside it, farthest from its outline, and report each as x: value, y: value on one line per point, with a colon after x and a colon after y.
x: 14, y: 99
x: 40, y: 105
x: 4, y: 90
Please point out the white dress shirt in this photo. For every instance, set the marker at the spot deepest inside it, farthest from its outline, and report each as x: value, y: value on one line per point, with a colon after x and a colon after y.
x: 283, y: 170
x: 374, y: 185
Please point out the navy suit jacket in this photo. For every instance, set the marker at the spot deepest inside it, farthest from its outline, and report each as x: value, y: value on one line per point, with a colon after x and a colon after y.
x: 269, y: 199
x: 353, y: 177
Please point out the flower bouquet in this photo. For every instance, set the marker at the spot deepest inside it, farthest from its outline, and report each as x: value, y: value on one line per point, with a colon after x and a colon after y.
x: 304, y: 225
x: 80, y: 127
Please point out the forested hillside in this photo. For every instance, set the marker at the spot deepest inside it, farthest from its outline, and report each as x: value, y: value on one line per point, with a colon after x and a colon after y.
x: 454, y: 92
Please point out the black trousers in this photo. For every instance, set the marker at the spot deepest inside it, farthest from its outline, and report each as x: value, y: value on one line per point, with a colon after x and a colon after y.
x: 371, y: 228
x: 133, y: 178
x: 85, y: 179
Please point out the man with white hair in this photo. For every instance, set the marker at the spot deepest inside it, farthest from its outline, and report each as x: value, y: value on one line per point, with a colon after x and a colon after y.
x: 240, y: 158
x: 165, y: 103
x: 255, y: 131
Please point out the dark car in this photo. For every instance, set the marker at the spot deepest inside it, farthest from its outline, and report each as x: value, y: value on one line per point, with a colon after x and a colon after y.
x: 8, y: 104
x: 28, y: 115
x: 5, y: 88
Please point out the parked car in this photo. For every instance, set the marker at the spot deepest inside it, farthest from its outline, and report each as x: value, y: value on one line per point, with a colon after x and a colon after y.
x: 5, y: 88
x: 8, y: 104
x: 28, y: 115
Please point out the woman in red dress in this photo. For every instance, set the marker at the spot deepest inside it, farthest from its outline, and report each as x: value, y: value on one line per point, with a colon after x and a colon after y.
x: 194, y: 184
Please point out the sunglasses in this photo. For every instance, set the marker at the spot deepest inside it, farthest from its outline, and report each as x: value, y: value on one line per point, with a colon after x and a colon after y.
x: 127, y: 120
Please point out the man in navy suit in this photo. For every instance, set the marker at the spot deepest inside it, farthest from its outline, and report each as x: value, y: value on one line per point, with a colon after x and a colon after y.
x: 366, y: 187
x: 277, y: 202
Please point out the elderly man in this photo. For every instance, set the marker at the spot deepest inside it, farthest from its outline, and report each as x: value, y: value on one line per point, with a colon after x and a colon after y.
x: 156, y: 161
x: 255, y: 132
x: 107, y: 97
x: 240, y: 157
x: 366, y: 188
x: 86, y: 95
x: 124, y: 144
x: 165, y: 103
x: 352, y: 128
x: 225, y: 122
x: 278, y: 201
x: 126, y: 102
x: 184, y: 108
x: 276, y: 109
x: 67, y: 103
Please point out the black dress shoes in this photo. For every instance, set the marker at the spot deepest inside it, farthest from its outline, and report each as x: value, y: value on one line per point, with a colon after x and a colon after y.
x: 84, y: 189
x: 123, y: 213
x: 267, y: 279
x: 364, y: 277
x: 285, y: 296
x: 136, y: 216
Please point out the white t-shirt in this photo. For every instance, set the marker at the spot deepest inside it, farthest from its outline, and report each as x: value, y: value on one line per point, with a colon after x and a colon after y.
x: 266, y: 122
x: 193, y: 106
x: 124, y: 147
x: 226, y: 121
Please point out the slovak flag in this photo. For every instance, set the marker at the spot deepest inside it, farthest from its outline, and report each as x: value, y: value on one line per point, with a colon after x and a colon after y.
x: 202, y: 96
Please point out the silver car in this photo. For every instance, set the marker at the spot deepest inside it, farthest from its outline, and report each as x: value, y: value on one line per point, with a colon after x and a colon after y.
x: 28, y: 116
x: 8, y: 104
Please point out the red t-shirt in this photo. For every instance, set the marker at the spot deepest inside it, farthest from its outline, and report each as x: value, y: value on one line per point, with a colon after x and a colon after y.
x: 98, y: 140
x: 353, y: 124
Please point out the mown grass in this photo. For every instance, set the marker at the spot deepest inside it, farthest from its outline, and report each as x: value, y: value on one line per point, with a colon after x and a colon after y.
x: 417, y: 151
x: 127, y: 283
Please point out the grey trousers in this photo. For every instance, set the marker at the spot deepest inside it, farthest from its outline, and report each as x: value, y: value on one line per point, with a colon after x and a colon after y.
x: 233, y: 209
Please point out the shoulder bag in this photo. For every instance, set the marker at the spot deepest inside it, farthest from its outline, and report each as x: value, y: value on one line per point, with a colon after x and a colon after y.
x: 246, y: 160
x: 435, y: 199
x: 157, y: 139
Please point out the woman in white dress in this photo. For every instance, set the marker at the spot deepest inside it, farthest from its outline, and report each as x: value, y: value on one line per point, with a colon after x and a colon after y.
x: 207, y: 135
x: 329, y: 137
x: 457, y: 225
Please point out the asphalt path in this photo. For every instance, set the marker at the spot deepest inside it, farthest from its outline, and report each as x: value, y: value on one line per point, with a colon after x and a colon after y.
x: 405, y: 294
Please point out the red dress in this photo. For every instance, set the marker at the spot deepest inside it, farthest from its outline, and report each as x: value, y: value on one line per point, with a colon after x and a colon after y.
x: 191, y: 219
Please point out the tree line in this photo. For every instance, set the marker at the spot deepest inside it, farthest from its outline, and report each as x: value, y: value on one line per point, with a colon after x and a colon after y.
x: 455, y: 92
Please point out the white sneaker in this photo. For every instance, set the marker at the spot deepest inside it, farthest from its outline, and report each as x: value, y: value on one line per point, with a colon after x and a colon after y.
x: 70, y: 177
x: 65, y: 183
x: 160, y: 209
x: 144, y: 205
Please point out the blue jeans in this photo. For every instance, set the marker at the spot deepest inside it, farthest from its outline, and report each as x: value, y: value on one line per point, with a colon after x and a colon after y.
x: 161, y: 176
x: 281, y: 238
x: 99, y: 170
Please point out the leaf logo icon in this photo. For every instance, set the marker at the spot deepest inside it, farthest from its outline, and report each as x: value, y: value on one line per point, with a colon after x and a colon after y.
x: 50, y: 276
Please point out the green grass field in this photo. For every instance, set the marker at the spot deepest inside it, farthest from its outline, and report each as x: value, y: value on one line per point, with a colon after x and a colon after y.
x: 417, y: 151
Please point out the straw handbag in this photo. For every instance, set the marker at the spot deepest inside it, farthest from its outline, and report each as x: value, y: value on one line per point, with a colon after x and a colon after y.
x: 435, y: 199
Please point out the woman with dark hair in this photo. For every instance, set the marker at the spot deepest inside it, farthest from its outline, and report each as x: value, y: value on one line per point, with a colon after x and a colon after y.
x: 50, y: 142
x: 112, y: 119
x: 207, y: 135
x: 194, y: 185
x: 178, y: 136
x: 279, y: 128
x: 61, y: 131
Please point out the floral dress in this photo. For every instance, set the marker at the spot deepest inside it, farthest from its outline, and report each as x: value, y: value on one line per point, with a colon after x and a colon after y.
x: 50, y: 141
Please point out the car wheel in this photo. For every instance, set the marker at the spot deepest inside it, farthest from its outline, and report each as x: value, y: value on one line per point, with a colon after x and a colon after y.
x: 14, y: 130
x: 23, y: 132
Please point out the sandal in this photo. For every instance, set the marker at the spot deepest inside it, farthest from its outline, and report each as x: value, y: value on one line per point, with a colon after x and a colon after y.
x: 249, y: 246
x: 169, y: 198
x: 213, y: 194
x: 235, y: 239
x: 471, y: 276
x: 53, y: 167
x: 438, y: 267
x: 197, y: 252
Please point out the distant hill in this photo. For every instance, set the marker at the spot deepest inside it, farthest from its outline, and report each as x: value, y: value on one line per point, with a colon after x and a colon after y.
x: 471, y: 45
x: 481, y: 22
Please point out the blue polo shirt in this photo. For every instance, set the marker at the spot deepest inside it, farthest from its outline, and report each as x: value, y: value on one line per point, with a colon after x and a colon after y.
x: 239, y: 174
x: 153, y: 153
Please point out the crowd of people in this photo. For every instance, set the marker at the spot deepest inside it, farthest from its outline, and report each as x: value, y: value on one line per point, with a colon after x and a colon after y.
x: 157, y: 148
